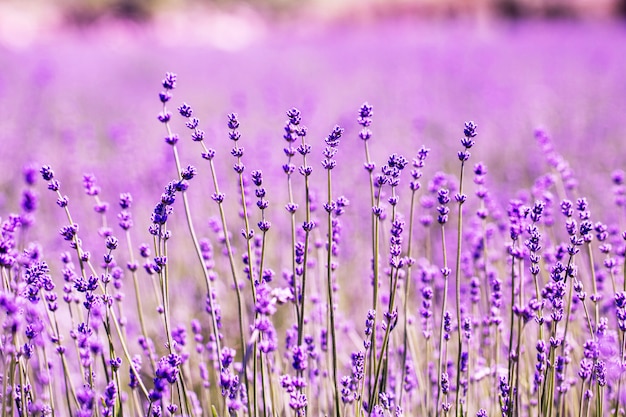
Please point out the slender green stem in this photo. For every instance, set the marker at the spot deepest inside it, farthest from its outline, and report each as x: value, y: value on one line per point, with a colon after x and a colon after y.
x: 599, y: 400
x: 458, y: 289
x: 248, y: 239
x: 512, y: 327
x: 444, y: 302
x: 592, y: 271
x: 384, y: 348
x: 231, y: 258
x: 248, y: 230
x: 375, y: 266
x: 331, y: 303
x: 306, y: 250
x: 138, y: 297
x: 393, y: 286
x: 406, y: 297
x: 581, y: 399
x: 293, y: 238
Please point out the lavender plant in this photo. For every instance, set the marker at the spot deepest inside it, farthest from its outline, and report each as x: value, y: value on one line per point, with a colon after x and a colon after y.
x: 523, y: 339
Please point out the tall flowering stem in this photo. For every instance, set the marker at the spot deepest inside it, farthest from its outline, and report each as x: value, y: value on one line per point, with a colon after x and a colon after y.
x: 332, y: 142
x: 264, y: 276
x: 160, y: 232
x: 467, y: 141
x: 517, y: 214
x: 391, y: 315
x: 391, y: 175
x: 198, y: 135
x: 184, y: 175
x: 248, y: 234
x: 307, y: 226
x: 582, y: 236
x: 365, y: 120
x: 264, y: 225
x: 293, y: 131
x: 534, y: 246
x: 443, y: 198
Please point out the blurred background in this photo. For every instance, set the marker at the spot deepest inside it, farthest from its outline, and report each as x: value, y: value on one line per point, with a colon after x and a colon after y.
x: 88, y: 11
x: 80, y: 80
x: 23, y: 17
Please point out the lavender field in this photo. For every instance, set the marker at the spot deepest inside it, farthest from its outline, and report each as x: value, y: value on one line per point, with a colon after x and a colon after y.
x: 391, y: 217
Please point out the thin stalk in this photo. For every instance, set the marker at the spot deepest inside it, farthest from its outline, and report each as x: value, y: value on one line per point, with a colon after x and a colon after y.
x: 163, y: 276
x: 592, y: 270
x: 198, y: 250
x: 252, y: 287
x: 581, y: 399
x: 619, y: 389
x: 306, y: 251
x: 359, y: 399
x: 540, y: 314
x: 375, y: 261
x: 384, y: 347
x: 263, y: 389
x: 247, y: 229
x: 512, y: 328
x: 406, y: 297
x: 374, y: 360
x: 444, y: 303
x: 569, y: 304
x: 599, y: 400
x: 229, y: 249
x: 520, y: 327
x: 11, y: 378
x: 45, y: 358
x: 138, y: 302
x: 550, y: 375
x: 492, y: 360
x: 496, y: 361
x: 293, y: 239
x: 331, y: 304
x: 517, y: 355
x: 165, y: 293
x: 392, y: 289
x: 458, y: 289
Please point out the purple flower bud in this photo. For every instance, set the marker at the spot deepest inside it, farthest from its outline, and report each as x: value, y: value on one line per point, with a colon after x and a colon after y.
x: 111, y: 243
x: 185, y: 110
x: 233, y: 122
x: 169, y: 82
x: 164, y: 117
x: 165, y: 96
x: 126, y: 200
x: 470, y: 129
x: 171, y: 140
x: 198, y: 136
x: 47, y: 173
x: 189, y: 172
